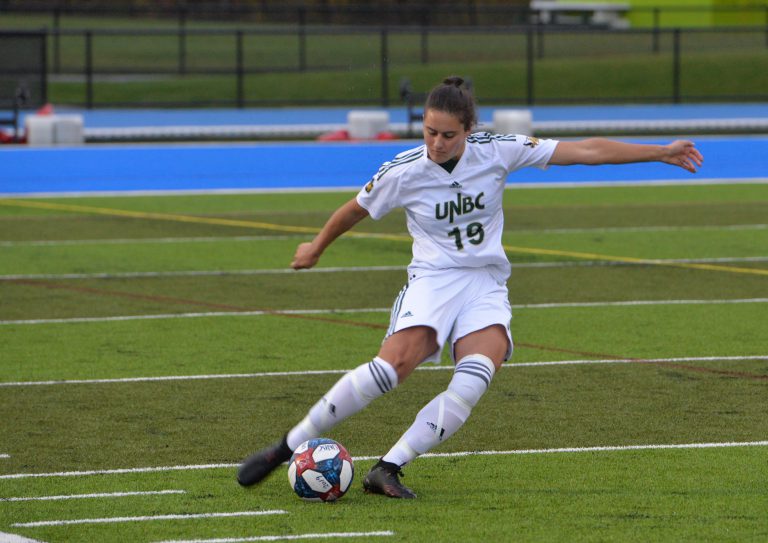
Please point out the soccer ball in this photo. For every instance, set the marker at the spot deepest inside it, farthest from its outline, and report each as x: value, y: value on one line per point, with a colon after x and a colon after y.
x: 320, y: 470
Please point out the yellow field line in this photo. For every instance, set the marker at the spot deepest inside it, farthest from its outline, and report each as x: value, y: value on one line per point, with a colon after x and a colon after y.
x: 633, y: 260
x: 158, y: 216
x: 392, y: 237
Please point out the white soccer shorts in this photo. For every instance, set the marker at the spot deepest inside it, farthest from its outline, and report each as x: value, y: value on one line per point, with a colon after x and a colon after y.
x: 453, y: 302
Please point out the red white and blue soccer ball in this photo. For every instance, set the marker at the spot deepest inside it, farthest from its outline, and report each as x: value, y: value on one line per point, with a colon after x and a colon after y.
x: 320, y: 469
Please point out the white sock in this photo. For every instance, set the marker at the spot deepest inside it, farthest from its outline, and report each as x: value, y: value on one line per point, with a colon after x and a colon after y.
x: 349, y: 395
x: 447, y: 412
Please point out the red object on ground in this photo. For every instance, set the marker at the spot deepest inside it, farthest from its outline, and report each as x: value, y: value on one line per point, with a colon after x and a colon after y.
x: 386, y: 136
x: 336, y: 135
x: 47, y: 109
x: 343, y: 135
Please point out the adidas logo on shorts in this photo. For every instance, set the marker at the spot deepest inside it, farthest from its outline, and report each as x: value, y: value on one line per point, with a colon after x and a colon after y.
x: 406, y: 314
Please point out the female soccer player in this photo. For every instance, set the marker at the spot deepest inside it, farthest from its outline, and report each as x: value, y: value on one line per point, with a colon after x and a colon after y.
x: 451, y: 188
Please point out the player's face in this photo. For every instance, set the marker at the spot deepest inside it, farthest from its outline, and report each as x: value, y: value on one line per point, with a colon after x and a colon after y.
x: 444, y: 135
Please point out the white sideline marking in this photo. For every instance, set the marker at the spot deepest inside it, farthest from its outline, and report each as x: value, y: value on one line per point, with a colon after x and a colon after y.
x: 5, y: 455
x: 607, y: 263
x: 200, y: 273
x: 174, y: 378
x: 217, y: 239
x: 512, y: 365
x: 143, y: 241
x: 331, y: 535
x: 85, y: 496
x: 356, y: 188
x: 111, y: 520
x: 616, y: 183
x: 13, y: 538
x: 119, y: 471
x: 615, y: 448
x: 629, y: 303
x: 633, y: 360
x: 609, y: 448
x: 198, y: 315
x: 120, y: 318
x: 364, y: 269
x: 633, y: 229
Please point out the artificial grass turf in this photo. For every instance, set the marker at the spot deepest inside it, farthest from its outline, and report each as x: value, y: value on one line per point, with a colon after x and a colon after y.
x: 673, y: 495
x: 667, y: 495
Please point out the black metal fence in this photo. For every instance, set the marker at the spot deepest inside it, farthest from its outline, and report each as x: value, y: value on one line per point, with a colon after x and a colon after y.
x: 23, y: 75
x: 184, y: 53
x: 532, y: 64
x: 22, y: 68
x: 420, y: 13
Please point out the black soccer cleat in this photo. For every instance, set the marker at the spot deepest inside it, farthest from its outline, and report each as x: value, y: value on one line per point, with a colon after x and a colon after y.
x: 383, y: 479
x: 256, y: 467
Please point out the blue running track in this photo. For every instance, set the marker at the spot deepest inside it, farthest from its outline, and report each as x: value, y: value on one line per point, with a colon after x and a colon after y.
x: 275, y: 166
x: 341, y: 165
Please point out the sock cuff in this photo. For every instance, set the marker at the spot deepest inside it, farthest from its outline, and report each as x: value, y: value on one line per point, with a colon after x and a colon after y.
x: 478, y: 365
x: 383, y: 373
x: 479, y: 357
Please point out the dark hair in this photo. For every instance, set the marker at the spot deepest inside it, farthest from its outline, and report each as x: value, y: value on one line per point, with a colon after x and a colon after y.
x: 454, y: 96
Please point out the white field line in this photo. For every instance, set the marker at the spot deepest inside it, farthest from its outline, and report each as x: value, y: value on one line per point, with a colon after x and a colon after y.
x: 329, y: 535
x: 355, y: 269
x: 202, y: 314
x: 117, y: 471
x: 603, y: 448
x: 607, y: 448
x: 111, y: 520
x: 146, y: 241
x: 342, y: 371
x: 218, y: 239
x: 119, y: 318
x: 640, y: 302
x: 644, y: 229
x: 355, y: 188
x: 615, y: 183
x: 591, y: 263
x: 201, y: 273
x: 173, y: 378
x: 96, y: 496
x: 13, y: 538
x: 4, y: 455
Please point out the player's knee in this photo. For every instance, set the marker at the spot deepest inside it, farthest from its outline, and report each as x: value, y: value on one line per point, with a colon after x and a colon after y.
x: 408, y: 348
x: 493, y: 342
x: 472, y: 377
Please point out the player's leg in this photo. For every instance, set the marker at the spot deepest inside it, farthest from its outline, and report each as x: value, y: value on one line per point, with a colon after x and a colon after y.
x: 399, y: 355
x: 479, y: 355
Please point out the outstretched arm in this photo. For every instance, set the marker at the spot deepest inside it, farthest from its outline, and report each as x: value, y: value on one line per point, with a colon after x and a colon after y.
x: 595, y: 151
x: 344, y: 218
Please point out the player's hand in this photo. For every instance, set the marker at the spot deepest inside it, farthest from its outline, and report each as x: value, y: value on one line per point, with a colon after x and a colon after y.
x: 683, y: 153
x: 306, y: 256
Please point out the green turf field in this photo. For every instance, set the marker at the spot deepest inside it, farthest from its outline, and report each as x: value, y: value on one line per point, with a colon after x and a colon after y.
x: 149, y: 343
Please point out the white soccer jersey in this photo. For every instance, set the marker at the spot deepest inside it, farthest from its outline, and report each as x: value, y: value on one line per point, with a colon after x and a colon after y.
x: 456, y: 219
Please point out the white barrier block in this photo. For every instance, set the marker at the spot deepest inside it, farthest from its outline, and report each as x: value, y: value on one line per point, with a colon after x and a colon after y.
x: 39, y: 129
x: 513, y: 121
x: 54, y: 129
x: 365, y: 125
x: 68, y: 129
